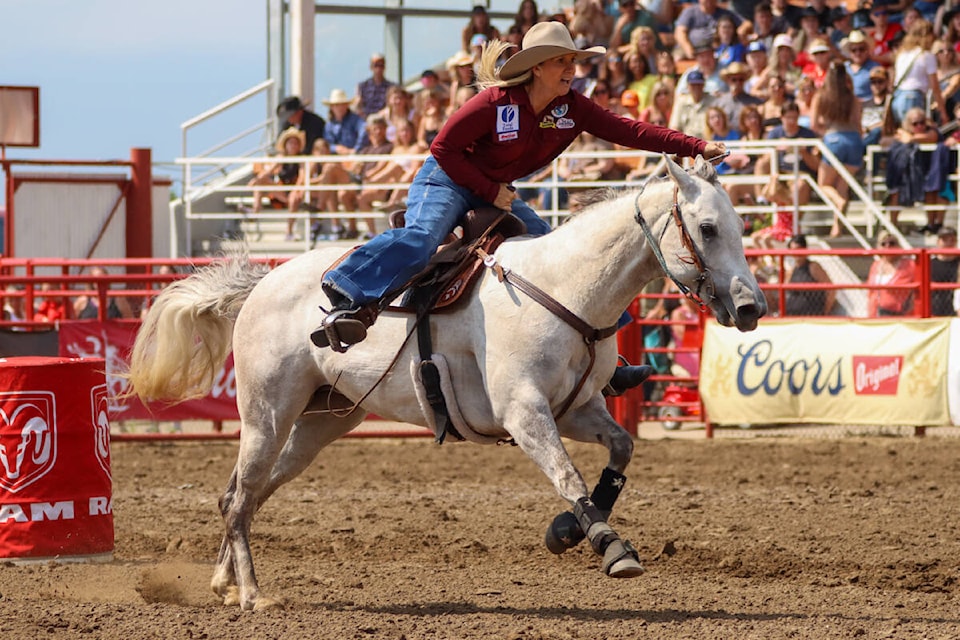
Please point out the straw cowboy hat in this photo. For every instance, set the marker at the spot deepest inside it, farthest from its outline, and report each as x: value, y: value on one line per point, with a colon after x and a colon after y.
x: 459, y: 59
x: 543, y: 41
x: 337, y: 96
x: 292, y: 132
x: 735, y: 69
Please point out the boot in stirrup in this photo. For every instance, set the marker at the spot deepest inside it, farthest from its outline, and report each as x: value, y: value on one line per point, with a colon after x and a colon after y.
x: 340, y: 330
x: 627, y: 377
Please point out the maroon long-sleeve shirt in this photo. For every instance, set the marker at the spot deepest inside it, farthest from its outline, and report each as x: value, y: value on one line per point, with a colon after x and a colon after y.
x: 496, y: 137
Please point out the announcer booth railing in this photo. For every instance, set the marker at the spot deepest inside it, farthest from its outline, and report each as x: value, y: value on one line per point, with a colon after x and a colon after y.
x: 671, y: 395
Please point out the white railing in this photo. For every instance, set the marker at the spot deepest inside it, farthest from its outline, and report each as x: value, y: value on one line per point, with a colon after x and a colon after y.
x: 875, y: 214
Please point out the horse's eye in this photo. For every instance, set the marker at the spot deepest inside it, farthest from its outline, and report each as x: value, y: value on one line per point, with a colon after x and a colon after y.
x: 708, y: 230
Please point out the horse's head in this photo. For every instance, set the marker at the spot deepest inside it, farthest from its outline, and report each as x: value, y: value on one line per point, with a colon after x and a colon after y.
x: 703, y: 250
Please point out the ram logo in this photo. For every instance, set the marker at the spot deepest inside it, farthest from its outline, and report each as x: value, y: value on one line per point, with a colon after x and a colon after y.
x: 99, y: 401
x: 28, y: 438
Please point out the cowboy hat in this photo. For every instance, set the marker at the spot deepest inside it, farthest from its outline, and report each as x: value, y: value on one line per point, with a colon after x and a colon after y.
x: 543, y: 41
x: 337, y: 96
x: 459, y: 59
x: 735, y: 69
x: 292, y: 132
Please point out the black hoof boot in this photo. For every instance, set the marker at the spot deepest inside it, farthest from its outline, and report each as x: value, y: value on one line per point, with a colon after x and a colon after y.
x: 563, y: 533
x: 627, y: 377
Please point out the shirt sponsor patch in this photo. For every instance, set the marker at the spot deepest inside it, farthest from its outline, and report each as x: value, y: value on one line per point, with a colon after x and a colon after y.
x: 565, y: 123
x: 560, y: 110
x: 548, y: 123
x: 510, y: 135
x: 508, y: 118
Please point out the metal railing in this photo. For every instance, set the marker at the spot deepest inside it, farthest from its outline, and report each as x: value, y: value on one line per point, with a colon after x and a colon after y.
x: 874, y: 212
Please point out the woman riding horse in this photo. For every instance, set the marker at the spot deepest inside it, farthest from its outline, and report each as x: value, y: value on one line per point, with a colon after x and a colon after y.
x: 523, y: 119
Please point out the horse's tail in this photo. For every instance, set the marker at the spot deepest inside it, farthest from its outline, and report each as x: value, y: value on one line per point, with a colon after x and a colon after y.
x: 187, y: 332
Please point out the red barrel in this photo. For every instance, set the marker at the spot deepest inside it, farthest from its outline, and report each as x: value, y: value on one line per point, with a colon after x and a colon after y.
x: 55, y: 485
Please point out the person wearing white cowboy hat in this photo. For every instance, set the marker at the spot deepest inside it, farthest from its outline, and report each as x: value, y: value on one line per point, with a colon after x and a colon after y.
x: 344, y: 130
x: 523, y: 118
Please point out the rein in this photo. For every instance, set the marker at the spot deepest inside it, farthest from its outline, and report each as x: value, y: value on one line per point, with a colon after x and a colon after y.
x: 696, y: 258
x: 591, y: 336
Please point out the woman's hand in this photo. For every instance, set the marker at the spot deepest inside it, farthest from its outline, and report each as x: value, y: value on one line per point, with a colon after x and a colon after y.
x: 714, y: 149
x: 505, y: 197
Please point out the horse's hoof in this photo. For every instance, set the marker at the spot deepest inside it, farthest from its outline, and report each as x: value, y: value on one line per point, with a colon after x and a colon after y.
x: 267, y: 603
x: 231, y: 596
x: 563, y: 533
x: 621, y: 560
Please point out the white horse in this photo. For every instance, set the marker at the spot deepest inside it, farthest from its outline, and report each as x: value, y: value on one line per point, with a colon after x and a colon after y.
x: 510, y: 365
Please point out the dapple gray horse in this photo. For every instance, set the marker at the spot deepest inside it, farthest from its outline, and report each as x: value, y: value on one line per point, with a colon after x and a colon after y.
x: 509, y: 365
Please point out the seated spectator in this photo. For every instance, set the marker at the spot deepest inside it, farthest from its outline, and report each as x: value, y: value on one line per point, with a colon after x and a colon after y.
x: 528, y: 15
x: 914, y: 175
x: 706, y: 65
x: 697, y: 23
x: 820, y: 56
x: 805, y: 37
x: 432, y: 116
x: 48, y: 309
x: 462, y: 88
x: 771, y: 109
x: 292, y: 113
x: 614, y: 72
x: 643, y: 42
x: 806, y: 92
x: 717, y: 129
x: 364, y: 171
x: 729, y: 49
x: 661, y: 106
x: 640, y: 77
x: 632, y: 15
x: 430, y: 82
x: 667, y: 68
x: 943, y: 268
x: 344, y: 130
x: 860, y: 65
x: 882, y: 34
x: 403, y: 169
x: 871, y: 118
x: 87, y: 306
x: 806, y: 159
x: 841, y: 27
x: 290, y: 143
x: 589, y: 25
x: 948, y: 75
x: 751, y: 128
x: 399, y: 110
x: 889, y: 270
x: 13, y: 304
x: 774, y: 236
x: 630, y: 104
x: 479, y: 24
x: 758, y: 63
x: 800, y: 269
x: 689, y: 112
x: 764, y: 28
x: 372, y: 92
x: 781, y: 63
x: 732, y: 101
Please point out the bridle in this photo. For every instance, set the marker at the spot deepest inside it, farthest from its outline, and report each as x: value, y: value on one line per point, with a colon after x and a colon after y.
x: 695, y: 258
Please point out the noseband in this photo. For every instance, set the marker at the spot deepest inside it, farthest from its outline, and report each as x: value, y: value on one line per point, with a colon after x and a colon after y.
x: 695, y: 258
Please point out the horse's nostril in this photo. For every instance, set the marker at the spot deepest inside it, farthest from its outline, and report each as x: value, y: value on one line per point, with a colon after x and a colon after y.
x: 749, y: 311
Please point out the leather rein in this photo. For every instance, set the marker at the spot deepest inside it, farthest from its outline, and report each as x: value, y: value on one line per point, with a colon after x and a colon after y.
x: 591, y: 336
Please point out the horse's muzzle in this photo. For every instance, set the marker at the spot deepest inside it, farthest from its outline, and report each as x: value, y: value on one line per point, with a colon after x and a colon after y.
x: 749, y: 304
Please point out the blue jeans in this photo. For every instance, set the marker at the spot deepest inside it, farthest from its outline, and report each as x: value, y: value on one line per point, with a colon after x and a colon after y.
x: 435, y: 205
x: 847, y: 146
x: 903, y: 101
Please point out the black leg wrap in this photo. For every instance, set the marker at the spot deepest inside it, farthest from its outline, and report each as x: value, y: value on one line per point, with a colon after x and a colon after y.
x: 594, y: 525
x: 607, y: 491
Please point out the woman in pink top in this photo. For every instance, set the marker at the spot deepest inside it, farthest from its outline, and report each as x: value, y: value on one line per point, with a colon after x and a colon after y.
x: 524, y: 117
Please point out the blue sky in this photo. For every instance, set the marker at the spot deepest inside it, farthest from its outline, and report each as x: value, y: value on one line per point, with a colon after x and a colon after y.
x: 116, y: 74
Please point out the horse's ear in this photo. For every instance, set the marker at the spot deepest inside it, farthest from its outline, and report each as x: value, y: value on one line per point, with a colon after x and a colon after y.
x: 681, y: 177
x: 705, y: 170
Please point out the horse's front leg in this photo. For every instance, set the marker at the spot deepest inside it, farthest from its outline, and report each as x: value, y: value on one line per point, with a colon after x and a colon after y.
x: 592, y: 423
x: 532, y: 426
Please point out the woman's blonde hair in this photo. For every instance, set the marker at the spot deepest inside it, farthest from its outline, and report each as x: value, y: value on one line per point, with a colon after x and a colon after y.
x: 487, y: 73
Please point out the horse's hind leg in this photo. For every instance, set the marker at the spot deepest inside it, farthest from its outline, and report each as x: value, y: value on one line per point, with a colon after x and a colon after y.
x: 309, y: 435
x: 536, y: 433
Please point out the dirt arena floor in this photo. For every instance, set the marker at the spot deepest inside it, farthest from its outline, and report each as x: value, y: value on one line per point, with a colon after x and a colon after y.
x: 741, y: 539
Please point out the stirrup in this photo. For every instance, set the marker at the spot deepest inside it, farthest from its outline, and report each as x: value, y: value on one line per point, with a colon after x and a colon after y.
x: 340, y: 330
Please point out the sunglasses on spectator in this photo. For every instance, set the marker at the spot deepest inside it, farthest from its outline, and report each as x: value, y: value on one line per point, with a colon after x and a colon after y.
x: 601, y: 92
x: 918, y: 123
x: 877, y: 81
x: 888, y: 243
x: 857, y: 49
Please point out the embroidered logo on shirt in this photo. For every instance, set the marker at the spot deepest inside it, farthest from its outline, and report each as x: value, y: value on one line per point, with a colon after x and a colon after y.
x: 565, y: 123
x: 508, y: 122
x: 508, y: 118
x: 560, y: 110
x: 548, y: 123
